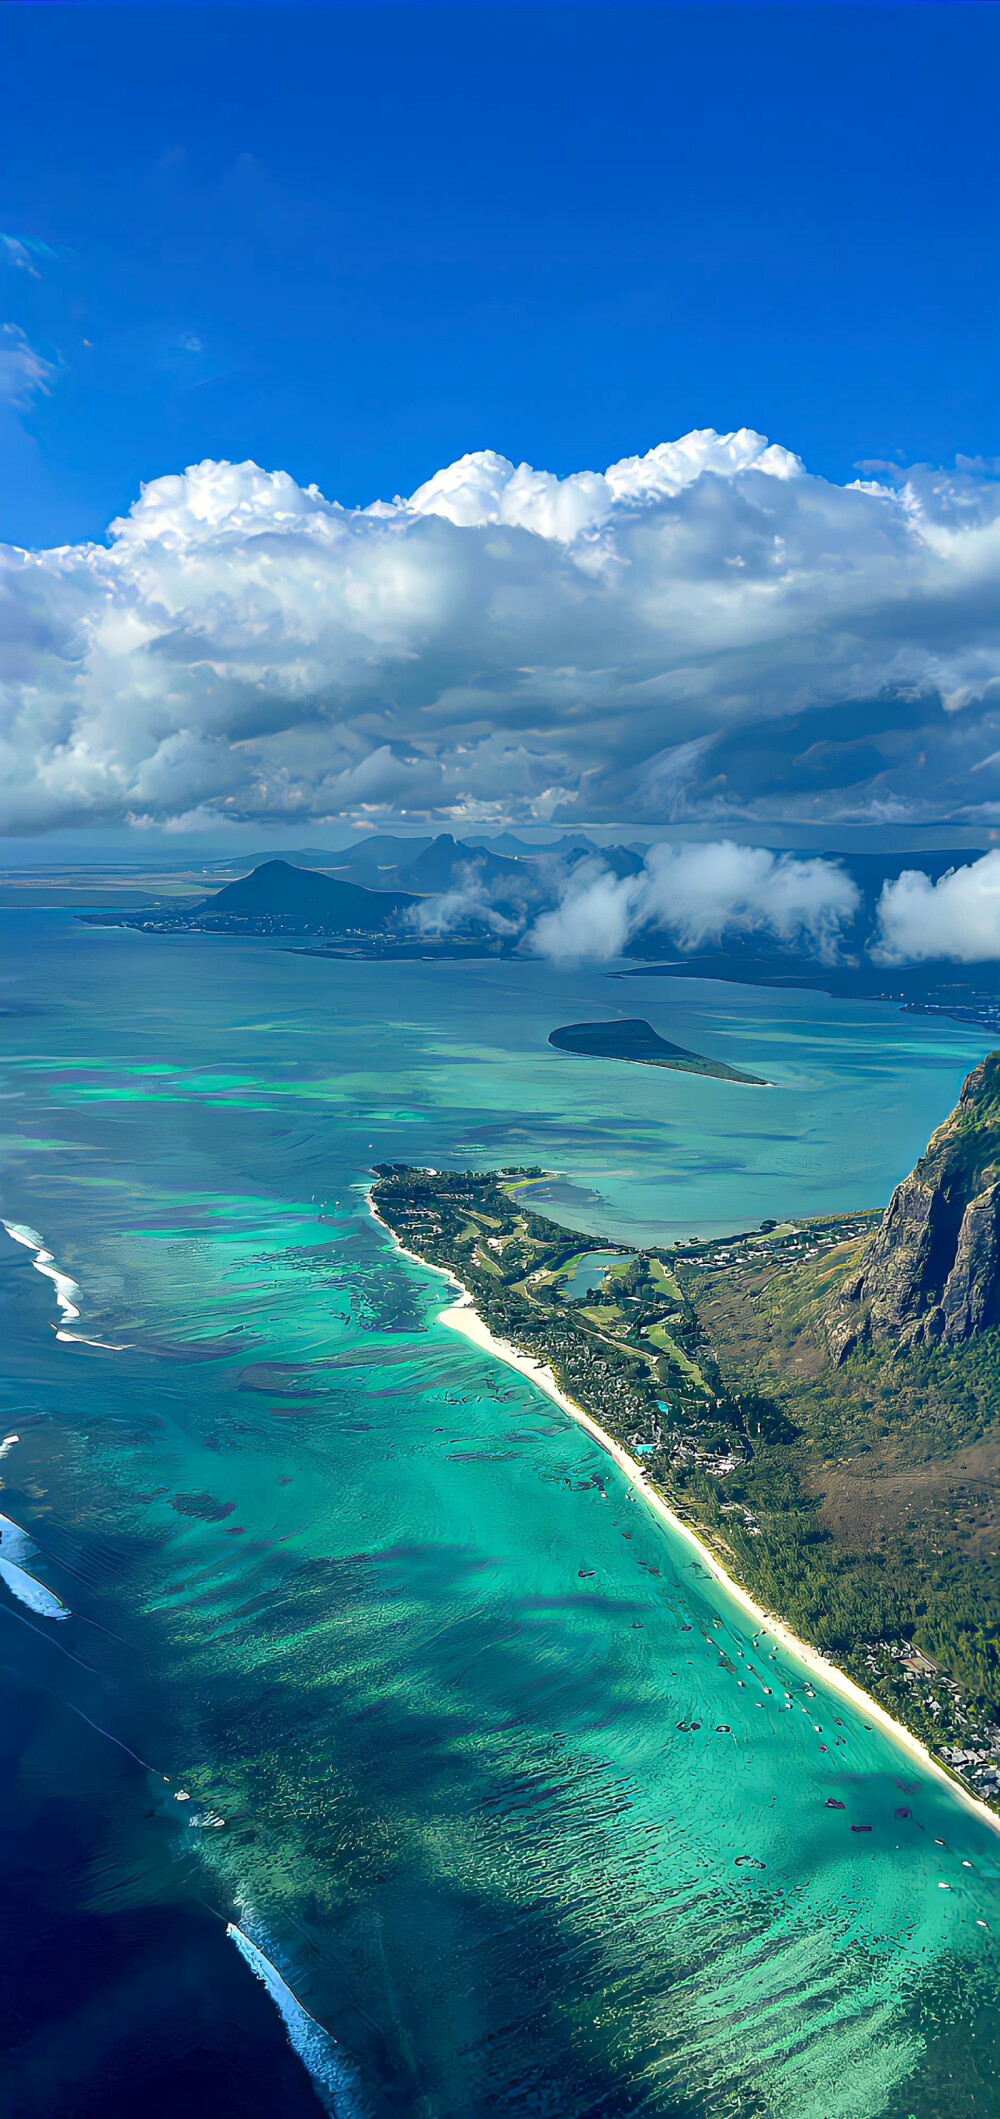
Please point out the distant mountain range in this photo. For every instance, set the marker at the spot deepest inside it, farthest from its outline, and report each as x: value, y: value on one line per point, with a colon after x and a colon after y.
x: 430, y: 865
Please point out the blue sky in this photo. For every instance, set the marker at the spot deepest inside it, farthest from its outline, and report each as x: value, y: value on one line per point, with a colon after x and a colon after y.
x: 354, y: 243
x: 354, y: 246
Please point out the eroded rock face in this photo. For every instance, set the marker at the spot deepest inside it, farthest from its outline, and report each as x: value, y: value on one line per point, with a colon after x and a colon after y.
x: 931, y: 1272
x: 971, y: 1299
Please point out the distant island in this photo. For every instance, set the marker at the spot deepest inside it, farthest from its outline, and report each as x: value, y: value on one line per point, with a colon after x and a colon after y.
x: 820, y: 1400
x: 448, y: 898
x: 635, y: 1040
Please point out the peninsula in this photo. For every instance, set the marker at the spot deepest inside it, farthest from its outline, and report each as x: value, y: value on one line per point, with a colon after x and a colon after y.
x: 635, y: 1040
x: 850, y: 1489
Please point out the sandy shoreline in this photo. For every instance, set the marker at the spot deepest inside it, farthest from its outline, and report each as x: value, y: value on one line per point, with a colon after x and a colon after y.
x: 462, y: 1316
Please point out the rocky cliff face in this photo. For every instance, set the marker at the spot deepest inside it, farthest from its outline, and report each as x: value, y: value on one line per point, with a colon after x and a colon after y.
x: 931, y: 1273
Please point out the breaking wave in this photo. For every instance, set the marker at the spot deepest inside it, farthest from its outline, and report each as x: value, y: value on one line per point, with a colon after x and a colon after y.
x: 15, y: 1543
x: 31, y: 1592
x: 15, y: 1548
x: 66, y: 1289
x: 316, y: 2048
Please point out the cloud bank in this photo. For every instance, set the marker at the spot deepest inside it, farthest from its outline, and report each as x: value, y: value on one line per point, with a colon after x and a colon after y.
x: 958, y: 917
x: 695, y: 896
x: 707, y: 631
x: 698, y: 894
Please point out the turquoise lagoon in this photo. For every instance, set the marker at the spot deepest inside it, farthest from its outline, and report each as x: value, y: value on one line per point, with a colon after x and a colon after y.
x: 519, y: 1816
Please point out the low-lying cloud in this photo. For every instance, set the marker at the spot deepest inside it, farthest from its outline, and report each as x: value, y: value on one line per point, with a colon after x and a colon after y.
x: 956, y: 918
x: 705, y: 631
x: 716, y: 895
x: 700, y: 894
x: 468, y: 904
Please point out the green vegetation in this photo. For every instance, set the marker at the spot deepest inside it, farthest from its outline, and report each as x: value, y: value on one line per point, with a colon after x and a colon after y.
x: 659, y: 1336
x: 874, y: 1485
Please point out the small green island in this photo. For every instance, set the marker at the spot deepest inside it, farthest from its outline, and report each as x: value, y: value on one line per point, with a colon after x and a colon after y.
x: 820, y: 1400
x: 635, y: 1040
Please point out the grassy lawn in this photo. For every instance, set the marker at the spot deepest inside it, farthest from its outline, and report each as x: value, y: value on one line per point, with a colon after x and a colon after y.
x: 658, y: 1335
x: 662, y: 1278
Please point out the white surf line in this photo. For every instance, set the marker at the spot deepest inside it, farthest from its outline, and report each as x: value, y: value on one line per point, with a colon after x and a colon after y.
x: 15, y: 1544
x: 30, y: 1591
x: 16, y: 1547
x: 462, y: 1316
x: 65, y: 1288
x: 315, y: 2046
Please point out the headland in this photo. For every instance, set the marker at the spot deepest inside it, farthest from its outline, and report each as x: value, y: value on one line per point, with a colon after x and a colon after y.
x: 640, y: 1361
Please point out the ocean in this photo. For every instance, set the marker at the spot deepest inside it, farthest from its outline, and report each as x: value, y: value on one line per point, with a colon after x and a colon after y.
x: 383, y: 1755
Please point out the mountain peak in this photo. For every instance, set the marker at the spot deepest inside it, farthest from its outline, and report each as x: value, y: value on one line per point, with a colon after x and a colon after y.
x: 931, y: 1273
x: 278, y: 890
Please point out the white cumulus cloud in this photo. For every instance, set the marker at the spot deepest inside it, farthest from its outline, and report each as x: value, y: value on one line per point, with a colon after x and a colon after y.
x: 510, y: 645
x: 957, y: 917
x: 697, y: 894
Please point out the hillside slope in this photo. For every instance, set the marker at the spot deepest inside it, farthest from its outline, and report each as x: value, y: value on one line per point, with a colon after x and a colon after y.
x: 869, y: 1379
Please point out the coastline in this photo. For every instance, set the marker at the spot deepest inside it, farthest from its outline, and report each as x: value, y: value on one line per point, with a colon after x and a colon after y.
x: 463, y: 1317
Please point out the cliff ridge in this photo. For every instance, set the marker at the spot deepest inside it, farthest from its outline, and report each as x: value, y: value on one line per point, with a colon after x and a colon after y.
x: 930, y: 1275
